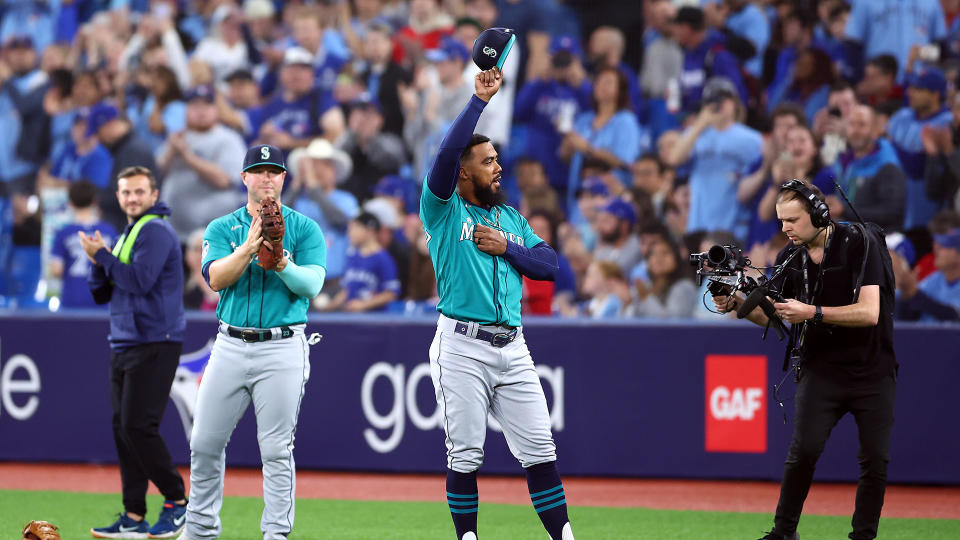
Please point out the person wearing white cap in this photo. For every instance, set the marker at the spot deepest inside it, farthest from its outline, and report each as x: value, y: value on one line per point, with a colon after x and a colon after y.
x: 317, y: 171
x: 292, y: 118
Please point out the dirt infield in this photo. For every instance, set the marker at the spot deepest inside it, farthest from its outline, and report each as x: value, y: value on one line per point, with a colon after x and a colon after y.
x: 728, y: 496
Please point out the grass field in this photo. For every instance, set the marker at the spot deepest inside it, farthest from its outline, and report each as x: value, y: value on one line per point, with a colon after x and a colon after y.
x: 318, y: 519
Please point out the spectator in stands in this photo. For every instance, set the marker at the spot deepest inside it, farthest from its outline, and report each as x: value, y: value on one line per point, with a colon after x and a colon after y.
x: 201, y: 173
x: 830, y: 35
x: 197, y: 293
x: 68, y: 261
x: 382, y: 76
x: 292, y: 118
x: 704, y: 57
x: 427, y: 25
x: 156, y: 43
x: 808, y: 84
x: 319, y: 169
x: 224, y: 49
x: 25, y: 137
x: 437, y: 103
x: 661, y: 67
x: 799, y: 160
x: 374, y: 153
x: 127, y: 150
x: 671, y: 293
x: 606, y: 289
x: 723, y: 152
x: 879, y: 82
x: 796, y: 34
x: 548, y: 297
x: 84, y: 158
x: 871, y: 174
x: 608, y: 133
x: 874, y: 28
x: 937, y: 297
x: 746, y: 20
x: 829, y: 124
x: 616, y: 241
x: 926, y: 93
x: 549, y: 105
x: 370, y: 280
x: 391, y: 236
x: 163, y: 112
x: 423, y: 280
x: 605, y: 50
x: 327, y: 50
x: 243, y: 95
x: 942, y: 172
x: 651, y: 174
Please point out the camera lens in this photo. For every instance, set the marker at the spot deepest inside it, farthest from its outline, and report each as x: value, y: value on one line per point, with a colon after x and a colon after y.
x: 718, y: 255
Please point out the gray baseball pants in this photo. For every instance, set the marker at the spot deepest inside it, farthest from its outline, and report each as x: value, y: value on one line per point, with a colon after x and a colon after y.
x: 272, y: 374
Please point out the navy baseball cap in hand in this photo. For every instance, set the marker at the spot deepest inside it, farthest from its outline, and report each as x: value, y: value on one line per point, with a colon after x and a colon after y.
x: 264, y: 154
x: 492, y: 47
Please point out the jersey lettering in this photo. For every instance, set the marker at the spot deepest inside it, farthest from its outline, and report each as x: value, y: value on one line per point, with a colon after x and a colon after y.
x: 466, y: 231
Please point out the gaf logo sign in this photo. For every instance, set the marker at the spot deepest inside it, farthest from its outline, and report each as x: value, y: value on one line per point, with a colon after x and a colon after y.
x: 736, y: 404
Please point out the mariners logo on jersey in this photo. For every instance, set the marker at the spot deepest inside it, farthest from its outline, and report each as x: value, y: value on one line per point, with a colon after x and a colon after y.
x: 472, y: 285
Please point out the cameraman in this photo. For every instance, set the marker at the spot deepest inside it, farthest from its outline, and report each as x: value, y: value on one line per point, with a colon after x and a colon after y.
x: 845, y: 344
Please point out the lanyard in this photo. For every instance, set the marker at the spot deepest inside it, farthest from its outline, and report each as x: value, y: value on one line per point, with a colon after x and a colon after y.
x: 808, y: 296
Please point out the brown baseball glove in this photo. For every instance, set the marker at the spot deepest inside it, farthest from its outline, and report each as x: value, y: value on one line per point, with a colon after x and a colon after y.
x: 271, y: 222
x: 40, y: 530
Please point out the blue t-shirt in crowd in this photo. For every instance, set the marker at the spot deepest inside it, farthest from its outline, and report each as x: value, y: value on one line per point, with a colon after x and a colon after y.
x: 368, y: 275
x: 621, y: 136
x: 937, y: 287
x: 75, y: 292
x: 540, y: 104
x: 706, y: 60
x: 94, y: 166
x: 893, y: 26
x: 336, y: 237
x: 720, y: 160
x: 298, y: 118
x: 750, y: 23
x: 904, y: 130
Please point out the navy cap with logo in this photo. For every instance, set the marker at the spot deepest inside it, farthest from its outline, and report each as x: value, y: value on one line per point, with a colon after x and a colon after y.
x: 492, y: 47
x: 264, y: 154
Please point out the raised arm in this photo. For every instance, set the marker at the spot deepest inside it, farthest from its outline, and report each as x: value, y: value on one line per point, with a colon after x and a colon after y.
x: 442, y: 178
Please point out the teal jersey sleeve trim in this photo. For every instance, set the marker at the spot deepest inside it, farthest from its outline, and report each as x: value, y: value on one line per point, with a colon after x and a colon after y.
x: 304, y: 281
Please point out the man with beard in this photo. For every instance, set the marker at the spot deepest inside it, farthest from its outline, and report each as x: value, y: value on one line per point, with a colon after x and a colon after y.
x: 479, y: 359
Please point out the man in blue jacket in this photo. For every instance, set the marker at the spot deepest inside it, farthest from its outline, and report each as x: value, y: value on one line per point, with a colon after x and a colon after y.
x: 142, y: 279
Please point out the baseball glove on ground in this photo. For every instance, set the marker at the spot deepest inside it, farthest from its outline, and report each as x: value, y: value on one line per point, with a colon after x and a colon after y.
x: 40, y: 530
x: 271, y: 221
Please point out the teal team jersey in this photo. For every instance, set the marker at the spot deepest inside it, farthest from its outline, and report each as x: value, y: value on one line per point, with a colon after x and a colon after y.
x: 473, y: 286
x: 260, y: 298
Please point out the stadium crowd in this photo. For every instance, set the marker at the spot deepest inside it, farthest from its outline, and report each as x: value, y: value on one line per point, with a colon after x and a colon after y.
x: 632, y: 133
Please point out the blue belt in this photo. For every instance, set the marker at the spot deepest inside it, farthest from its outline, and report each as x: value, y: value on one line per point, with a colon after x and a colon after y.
x: 256, y: 336
x: 497, y: 339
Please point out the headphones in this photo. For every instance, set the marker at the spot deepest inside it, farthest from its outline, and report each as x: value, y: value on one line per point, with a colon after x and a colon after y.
x: 819, y: 211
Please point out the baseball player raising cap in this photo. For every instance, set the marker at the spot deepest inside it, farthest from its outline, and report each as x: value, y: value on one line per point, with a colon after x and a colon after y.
x: 261, y: 353
x: 479, y: 360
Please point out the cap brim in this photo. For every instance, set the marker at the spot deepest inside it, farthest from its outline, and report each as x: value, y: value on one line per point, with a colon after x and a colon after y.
x: 252, y: 165
x: 506, y: 51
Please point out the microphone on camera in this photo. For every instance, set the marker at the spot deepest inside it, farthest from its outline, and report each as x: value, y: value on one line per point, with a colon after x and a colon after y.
x: 753, y: 300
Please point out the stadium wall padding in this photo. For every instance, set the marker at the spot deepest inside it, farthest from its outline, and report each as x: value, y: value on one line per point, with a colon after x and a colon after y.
x: 626, y: 399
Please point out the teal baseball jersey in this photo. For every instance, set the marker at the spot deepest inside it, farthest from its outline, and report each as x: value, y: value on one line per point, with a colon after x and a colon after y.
x: 260, y: 298
x: 473, y: 286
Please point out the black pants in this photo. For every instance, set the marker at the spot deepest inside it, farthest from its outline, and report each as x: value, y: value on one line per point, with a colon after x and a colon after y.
x: 140, y: 380
x: 820, y: 403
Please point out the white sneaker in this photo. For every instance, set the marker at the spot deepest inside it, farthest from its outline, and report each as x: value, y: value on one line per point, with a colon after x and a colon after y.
x: 469, y: 536
x: 567, y: 532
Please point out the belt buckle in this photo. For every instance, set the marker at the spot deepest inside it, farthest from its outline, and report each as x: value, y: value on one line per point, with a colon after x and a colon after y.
x: 504, y: 339
x: 250, y: 336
